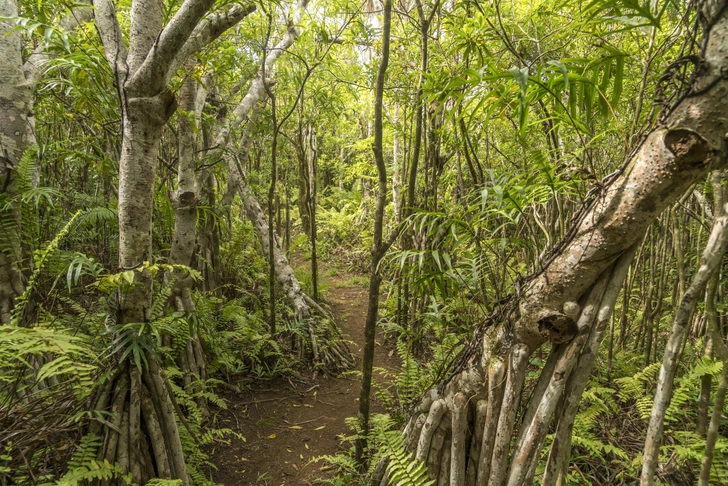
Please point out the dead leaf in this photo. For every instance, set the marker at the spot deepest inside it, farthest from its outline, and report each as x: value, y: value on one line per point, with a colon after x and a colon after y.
x: 319, y: 428
x: 272, y: 436
x: 297, y: 427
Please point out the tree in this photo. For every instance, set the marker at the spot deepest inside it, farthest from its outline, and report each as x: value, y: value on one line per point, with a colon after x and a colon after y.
x: 17, y: 135
x: 568, y: 302
x: 142, y: 74
x: 380, y: 246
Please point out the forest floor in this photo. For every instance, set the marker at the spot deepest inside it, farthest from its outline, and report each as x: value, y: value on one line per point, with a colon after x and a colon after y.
x: 290, y: 420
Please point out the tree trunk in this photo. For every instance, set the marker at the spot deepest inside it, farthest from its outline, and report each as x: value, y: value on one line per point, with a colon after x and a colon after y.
x: 379, y: 247
x: 16, y: 104
x: 300, y: 302
x: 283, y: 270
x: 17, y: 134
x: 312, y: 157
x: 184, y: 200
x: 709, y: 262
x: 142, y: 74
x: 396, y: 167
x: 677, y: 153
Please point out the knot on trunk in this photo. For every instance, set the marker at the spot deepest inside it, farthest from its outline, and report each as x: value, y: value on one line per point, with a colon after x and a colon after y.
x: 187, y: 199
x: 688, y: 146
x: 556, y: 326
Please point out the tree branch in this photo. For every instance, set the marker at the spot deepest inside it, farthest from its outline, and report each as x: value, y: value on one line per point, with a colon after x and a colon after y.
x: 109, y: 31
x: 151, y: 75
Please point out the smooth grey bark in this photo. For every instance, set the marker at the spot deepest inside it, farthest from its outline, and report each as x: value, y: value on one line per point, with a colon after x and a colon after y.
x: 184, y: 198
x: 560, y: 453
x: 184, y: 202
x: 283, y: 270
x: 714, y: 334
x: 17, y: 134
x: 142, y: 74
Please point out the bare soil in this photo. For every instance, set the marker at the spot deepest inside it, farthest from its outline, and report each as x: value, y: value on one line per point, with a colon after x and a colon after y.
x: 291, y: 420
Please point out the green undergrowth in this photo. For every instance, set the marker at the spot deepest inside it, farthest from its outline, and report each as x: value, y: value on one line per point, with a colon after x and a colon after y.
x: 54, y: 369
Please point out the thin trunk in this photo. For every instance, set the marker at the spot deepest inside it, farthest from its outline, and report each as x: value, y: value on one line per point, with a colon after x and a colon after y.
x: 272, y: 240
x: 709, y: 262
x: 396, y: 167
x: 283, y: 272
x: 312, y: 158
x: 379, y: 247
x: 715, y: 424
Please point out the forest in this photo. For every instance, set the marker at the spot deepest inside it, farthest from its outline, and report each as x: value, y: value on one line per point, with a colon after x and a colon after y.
x: 363, y: 242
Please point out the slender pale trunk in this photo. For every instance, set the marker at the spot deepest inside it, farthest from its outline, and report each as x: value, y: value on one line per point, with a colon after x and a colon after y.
x: 312, y: 157
x: 282, y: 267
x: 184, y: 202
x: 560, y: 453
x: 396, y: 168
x: 184, y: 199
x: 300, y: 302
x: 715, y: 335
x: 715, y: 423
x: 709, y: 262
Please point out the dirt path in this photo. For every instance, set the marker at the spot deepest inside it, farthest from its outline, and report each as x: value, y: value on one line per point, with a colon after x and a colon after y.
x: 287, y: 422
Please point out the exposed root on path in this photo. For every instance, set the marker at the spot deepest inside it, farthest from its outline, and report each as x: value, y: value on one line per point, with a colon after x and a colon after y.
x: 320, y: 342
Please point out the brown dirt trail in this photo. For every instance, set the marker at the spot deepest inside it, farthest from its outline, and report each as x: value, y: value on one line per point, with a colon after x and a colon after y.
x: 288, y: 421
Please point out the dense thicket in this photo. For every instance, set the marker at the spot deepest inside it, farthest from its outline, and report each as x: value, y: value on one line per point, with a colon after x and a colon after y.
x: 536, y: 192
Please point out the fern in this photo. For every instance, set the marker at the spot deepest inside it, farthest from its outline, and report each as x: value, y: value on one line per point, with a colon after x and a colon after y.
x: 97, y: 215
x: 83, y: 466
x: 403, y: 468
x: 91, y: 471
x: 40, y: 258
x: 633, y: 387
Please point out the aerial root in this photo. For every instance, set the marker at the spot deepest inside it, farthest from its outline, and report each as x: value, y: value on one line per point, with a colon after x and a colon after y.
x: 459, y: 439
x: 323, y: 346
x: 379, y: 476
x: 140, y: 433
x: 437, y: 446
x: 437, y: 410
x: 443, y: 478
x: 453, y: 431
